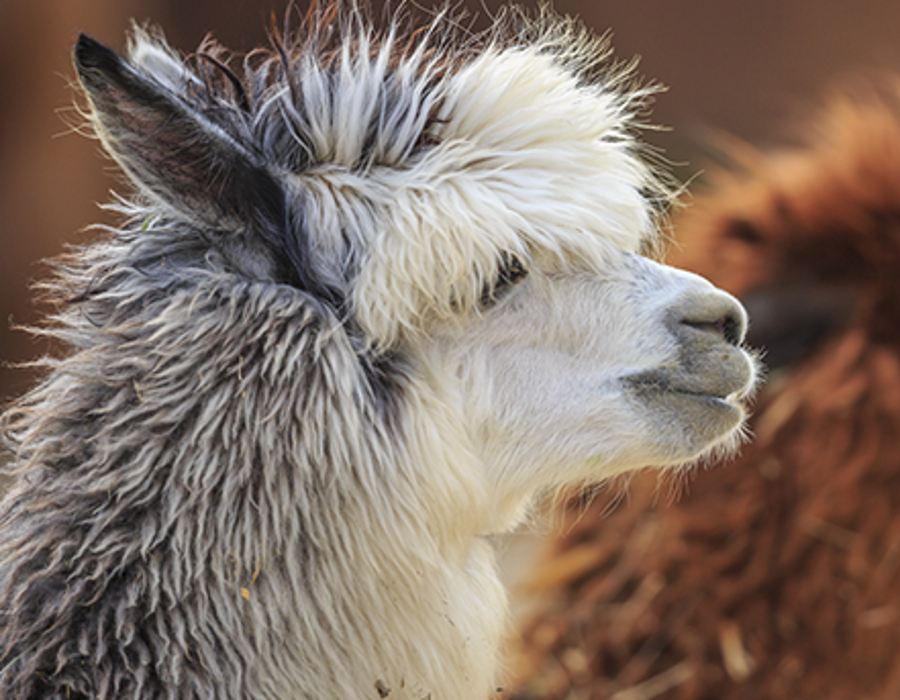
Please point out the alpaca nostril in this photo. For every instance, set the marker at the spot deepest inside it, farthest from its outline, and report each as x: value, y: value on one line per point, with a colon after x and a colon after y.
x: 722, y: 316
x: 728, y: 327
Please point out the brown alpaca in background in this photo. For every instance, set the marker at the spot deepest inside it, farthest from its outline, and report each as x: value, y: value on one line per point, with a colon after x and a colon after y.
x: 776, y: 576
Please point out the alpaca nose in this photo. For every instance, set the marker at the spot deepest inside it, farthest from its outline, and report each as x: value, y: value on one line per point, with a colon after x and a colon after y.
x: 716, y: 313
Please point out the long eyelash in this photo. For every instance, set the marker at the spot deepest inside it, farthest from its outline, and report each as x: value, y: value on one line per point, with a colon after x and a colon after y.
x: 510, y: 271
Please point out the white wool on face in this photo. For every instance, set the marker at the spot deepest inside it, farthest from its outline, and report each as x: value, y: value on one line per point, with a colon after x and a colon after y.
x: 553, y: 152
x: 529, y: 161
x: 528, y: 157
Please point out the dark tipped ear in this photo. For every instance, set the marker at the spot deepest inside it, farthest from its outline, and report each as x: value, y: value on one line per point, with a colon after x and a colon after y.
x: 169, y: 148
x: 191, y: 165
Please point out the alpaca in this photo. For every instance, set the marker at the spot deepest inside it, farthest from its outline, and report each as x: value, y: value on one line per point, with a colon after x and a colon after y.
x: 374, y: 291
x: 776, y: 577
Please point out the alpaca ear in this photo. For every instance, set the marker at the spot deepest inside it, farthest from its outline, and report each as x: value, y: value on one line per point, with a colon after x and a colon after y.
x: 172, y: 151
x: 189, y: 164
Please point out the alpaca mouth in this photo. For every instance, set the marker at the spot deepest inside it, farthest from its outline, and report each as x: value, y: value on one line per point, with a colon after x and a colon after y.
x: 717, y: 375
x: 713, y: 400
x: 711, y: 394
x: 694, y: 406
x: 704, y: 411
x: 722, y: 406
x: 660, y: 383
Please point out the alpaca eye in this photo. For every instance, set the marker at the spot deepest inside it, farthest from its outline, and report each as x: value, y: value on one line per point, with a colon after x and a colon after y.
x: 510, y: 271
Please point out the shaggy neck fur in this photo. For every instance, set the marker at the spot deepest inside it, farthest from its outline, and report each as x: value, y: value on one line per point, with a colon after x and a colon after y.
x: 158, y: 545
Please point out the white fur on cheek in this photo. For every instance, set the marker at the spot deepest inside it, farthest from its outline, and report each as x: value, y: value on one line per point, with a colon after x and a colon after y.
x: 548, y: 376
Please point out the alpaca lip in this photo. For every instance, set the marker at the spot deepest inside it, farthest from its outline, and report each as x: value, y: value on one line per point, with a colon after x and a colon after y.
x: 660, y: 384
x: 722, y: 373
x: 713, y: 400
x: 707, y: 412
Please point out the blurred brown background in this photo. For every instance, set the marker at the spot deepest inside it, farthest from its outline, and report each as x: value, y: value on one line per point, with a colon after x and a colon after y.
x: 744, y: 68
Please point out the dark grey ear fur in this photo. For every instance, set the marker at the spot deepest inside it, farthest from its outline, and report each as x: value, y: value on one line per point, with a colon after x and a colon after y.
x: 177, y: 155
x: 165, y: 146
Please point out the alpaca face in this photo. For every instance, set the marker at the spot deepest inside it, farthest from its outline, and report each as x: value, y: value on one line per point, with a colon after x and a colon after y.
x: 579, y: 374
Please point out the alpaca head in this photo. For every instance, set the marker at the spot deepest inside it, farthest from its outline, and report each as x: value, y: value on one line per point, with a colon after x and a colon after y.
x: 371, y: 294
x: 472, y: 214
